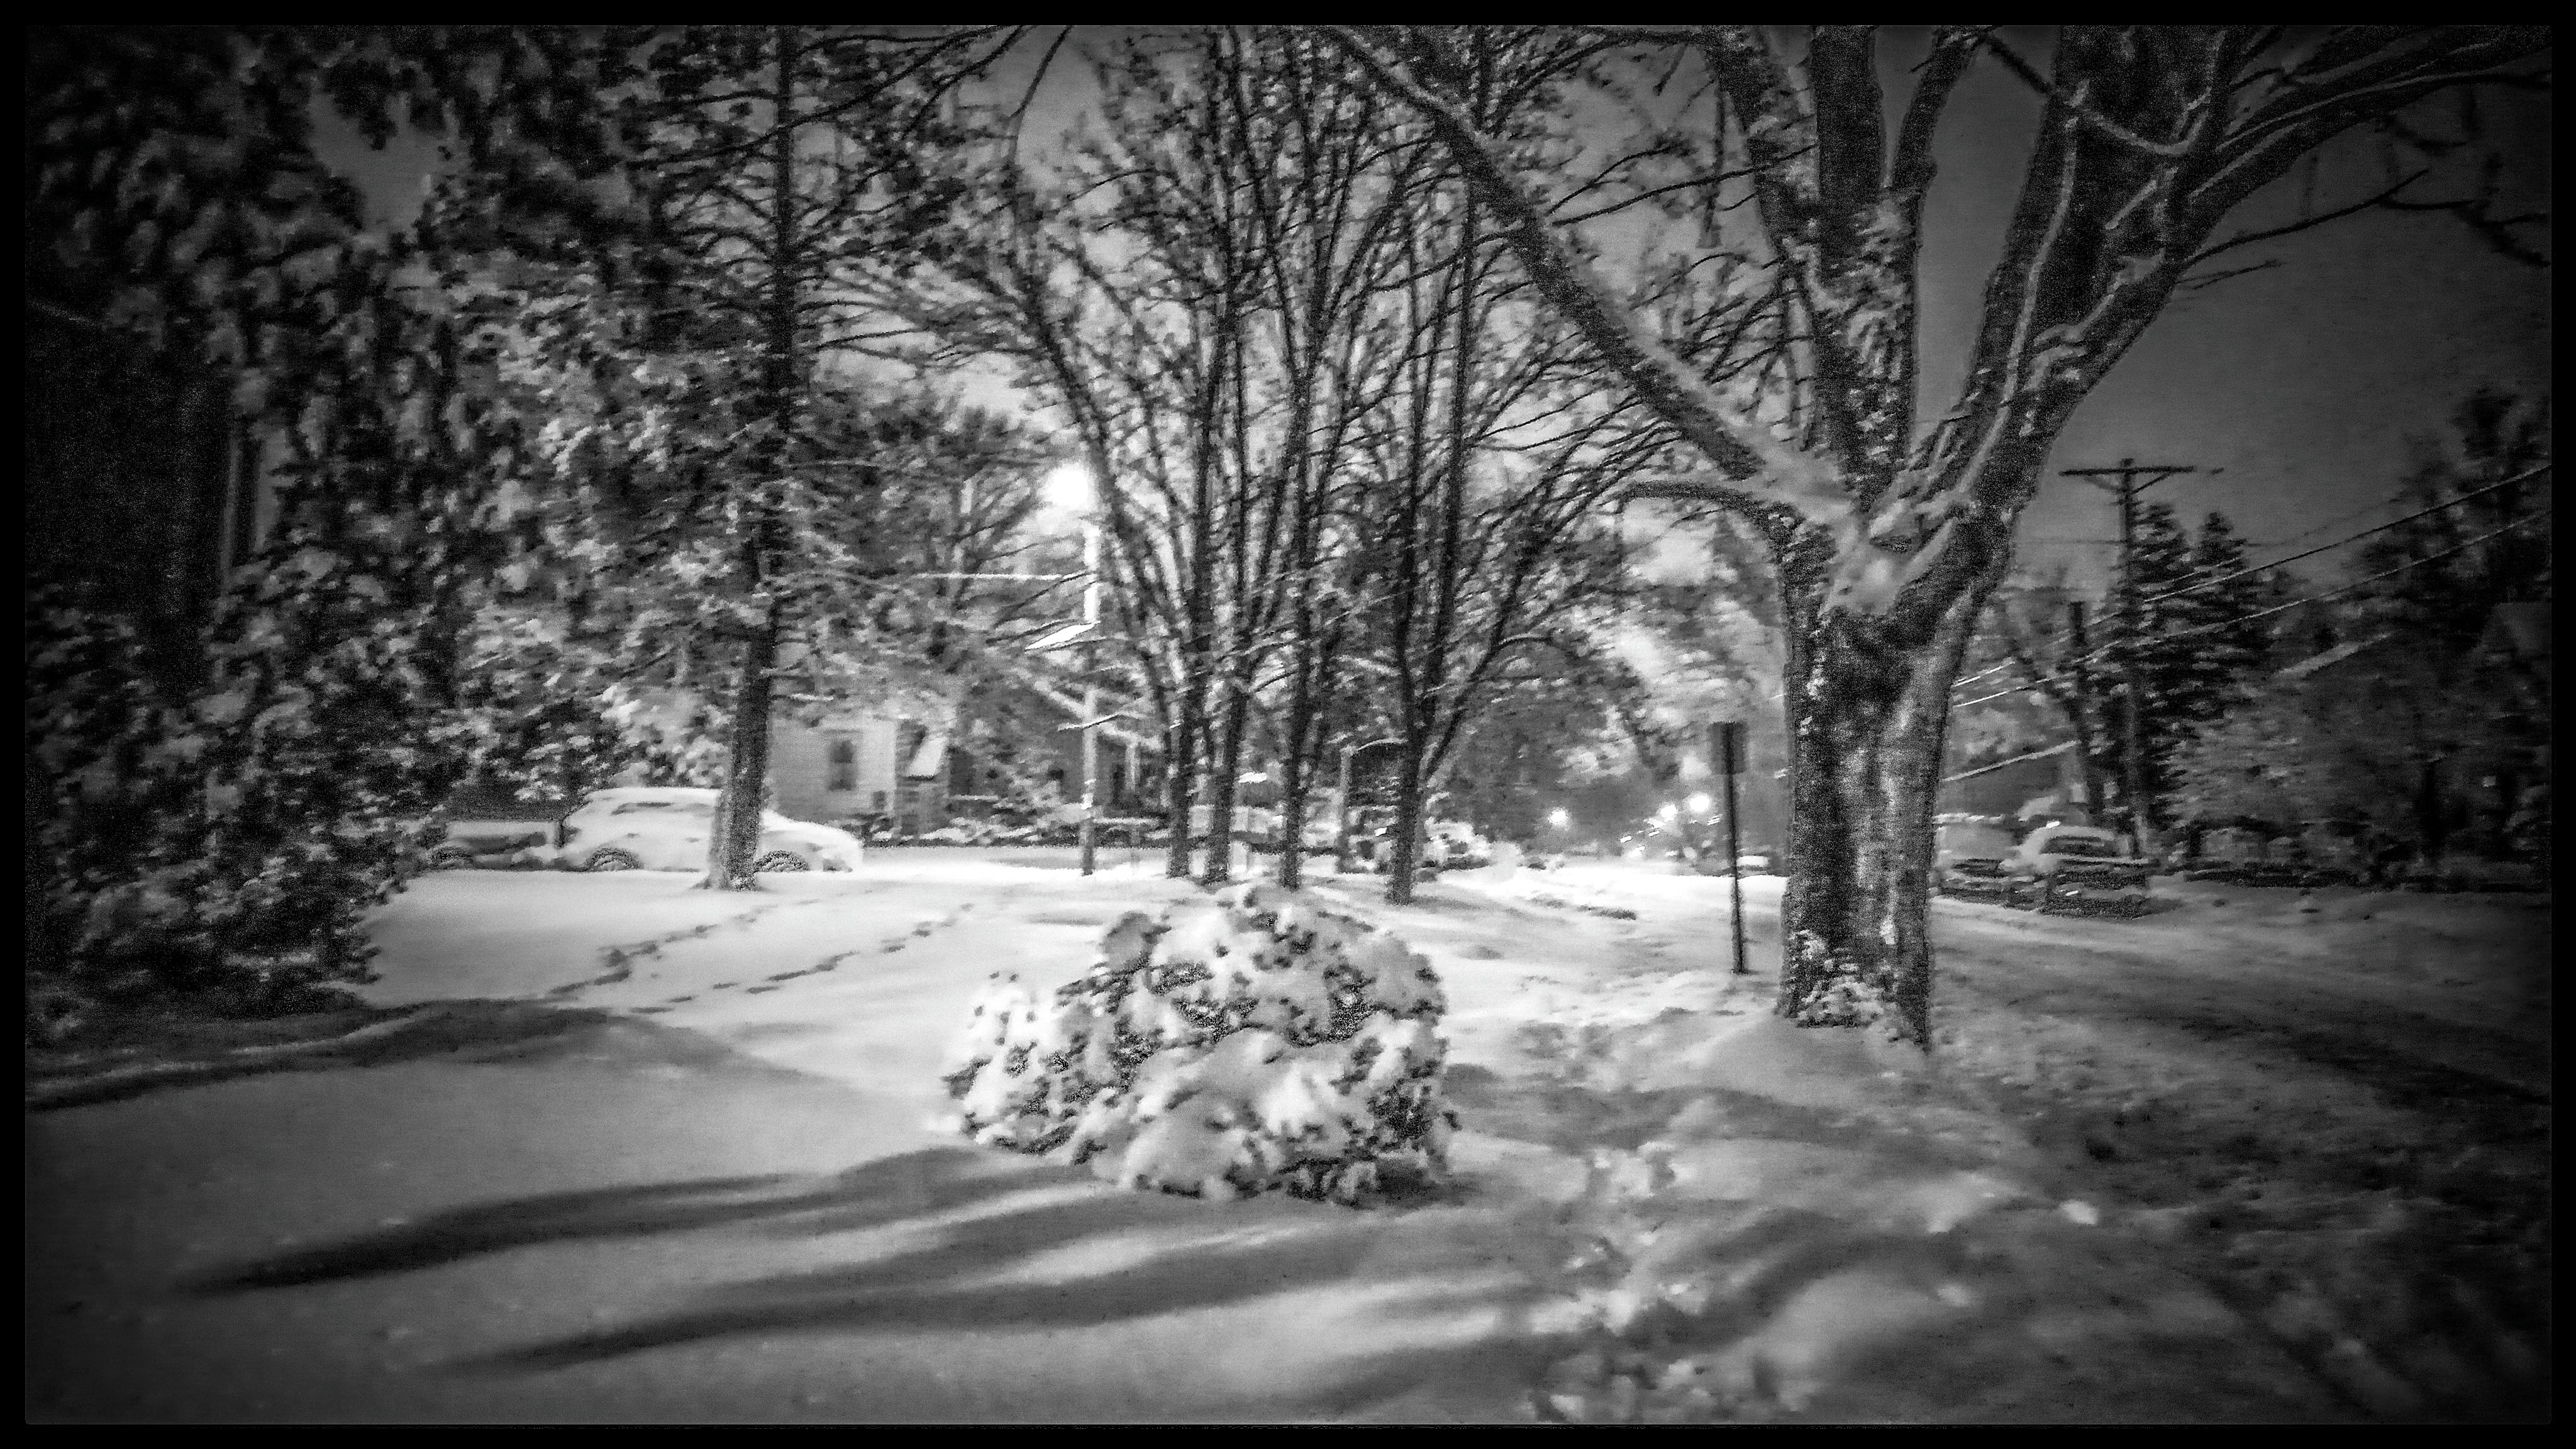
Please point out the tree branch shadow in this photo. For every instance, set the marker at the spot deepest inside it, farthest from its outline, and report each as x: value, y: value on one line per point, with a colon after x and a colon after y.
x: 1087, y: 1262
x: 913, y: 1184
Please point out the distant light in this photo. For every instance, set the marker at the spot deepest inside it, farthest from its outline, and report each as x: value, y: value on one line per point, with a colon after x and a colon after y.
x: 1668, y: 812
x: 1559, y: 819
x: 1700, y: 804
x: 1069, y: 486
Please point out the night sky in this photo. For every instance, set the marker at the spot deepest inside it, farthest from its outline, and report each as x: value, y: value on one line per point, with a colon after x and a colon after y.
x: 2302, y: 382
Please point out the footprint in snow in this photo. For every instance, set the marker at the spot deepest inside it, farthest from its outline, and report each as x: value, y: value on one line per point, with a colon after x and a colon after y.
x: 757, y: 990
x: 891, y: 946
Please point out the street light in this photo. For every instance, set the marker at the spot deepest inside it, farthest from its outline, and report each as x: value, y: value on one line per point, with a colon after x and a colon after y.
x: 1559, y: 819
x: 1700, y: 804
x: 1070, y: 486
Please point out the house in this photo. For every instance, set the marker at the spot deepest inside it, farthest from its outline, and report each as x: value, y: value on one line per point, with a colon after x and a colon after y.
x: 2044, y: 782
x: 2506, y: 776
x: 2473, y: 795
x: 862, y: 765
x: 1023, y: 734
x: 1002, y: 744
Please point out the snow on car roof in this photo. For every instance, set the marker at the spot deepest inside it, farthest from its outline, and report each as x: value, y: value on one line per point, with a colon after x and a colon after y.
x: 652, y: 792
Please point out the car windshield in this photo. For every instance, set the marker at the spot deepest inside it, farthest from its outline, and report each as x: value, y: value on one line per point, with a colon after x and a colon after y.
x: 668, y: 807
x: 2081, y: 845
x: 1976, y: 840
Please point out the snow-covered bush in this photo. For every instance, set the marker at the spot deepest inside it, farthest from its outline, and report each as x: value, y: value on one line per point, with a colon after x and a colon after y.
x: 1239, y: 1043
x: 227, y: 841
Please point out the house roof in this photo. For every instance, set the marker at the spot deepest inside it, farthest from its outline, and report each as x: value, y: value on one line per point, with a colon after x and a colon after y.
x: 1073, y: 710
x: 930, y: 758
x: 2056, y: 749
x: 2521, y: 631
x: 2330, y: 658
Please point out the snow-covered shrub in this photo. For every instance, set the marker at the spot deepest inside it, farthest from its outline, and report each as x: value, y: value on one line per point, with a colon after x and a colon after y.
x: 1236, y: 1044
x: 231, y: 839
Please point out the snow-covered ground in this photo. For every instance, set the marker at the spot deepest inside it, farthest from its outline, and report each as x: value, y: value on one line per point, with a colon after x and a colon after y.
x: 2235, y: 1160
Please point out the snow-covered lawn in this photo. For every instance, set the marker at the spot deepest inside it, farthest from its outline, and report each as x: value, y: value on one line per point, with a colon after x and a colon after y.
x: 2234, y: 1160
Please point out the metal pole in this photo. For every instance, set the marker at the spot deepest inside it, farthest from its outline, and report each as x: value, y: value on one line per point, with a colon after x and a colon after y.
x: 1089, y: 828
x: 2085, y: 765
x: 2133, y: 773
x: 2133, y: 752
x: 1735, y: 877
x: 1729, y: 763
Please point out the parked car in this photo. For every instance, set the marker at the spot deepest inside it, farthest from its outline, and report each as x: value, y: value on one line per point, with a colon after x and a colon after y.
x: 494, y: 845
x: 2060, y: 865
x: 663, y: 827
x: 1969, y: 859
x: 1455, y: 845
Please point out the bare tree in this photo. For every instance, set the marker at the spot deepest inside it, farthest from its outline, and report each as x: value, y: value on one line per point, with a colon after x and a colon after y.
x: 1890, y: 536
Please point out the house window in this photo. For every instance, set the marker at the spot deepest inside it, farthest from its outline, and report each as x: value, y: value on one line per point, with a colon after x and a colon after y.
x: 877, y: 801
x: 843, y: 758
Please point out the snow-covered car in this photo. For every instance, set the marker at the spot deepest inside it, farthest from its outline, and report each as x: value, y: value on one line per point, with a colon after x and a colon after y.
x: 665, y: 827
x: 494, y: 845
x: 2076, y: 865
x: 1455, y: 845
x: 1969, y: 859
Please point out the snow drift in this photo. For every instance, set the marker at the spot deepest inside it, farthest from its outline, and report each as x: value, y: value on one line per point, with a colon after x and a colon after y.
x: 1236, y: 1044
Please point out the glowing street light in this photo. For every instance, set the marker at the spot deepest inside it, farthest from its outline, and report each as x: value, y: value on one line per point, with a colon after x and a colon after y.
x: 1559, y: 819
x: 1700, y: 803
x: 1069, y: 487
x: 1669, y: 811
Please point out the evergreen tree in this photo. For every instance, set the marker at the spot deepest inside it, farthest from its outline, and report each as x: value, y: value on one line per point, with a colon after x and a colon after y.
x: 707, y: 532
x: 2185, y: 633
x: 2454, y: 575
x: 229, y: 823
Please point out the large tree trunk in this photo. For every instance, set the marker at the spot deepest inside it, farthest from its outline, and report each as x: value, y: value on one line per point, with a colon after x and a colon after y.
x: 1229, y: 763
x: 1404, y: 852
x: 733, y: 837
x: 1867, y: 718
x: 1180, y: 772
x: 1297, y: 769
x: 733, y: 844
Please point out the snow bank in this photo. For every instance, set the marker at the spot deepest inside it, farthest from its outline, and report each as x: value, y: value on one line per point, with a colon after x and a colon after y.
x: 1236, y: 1044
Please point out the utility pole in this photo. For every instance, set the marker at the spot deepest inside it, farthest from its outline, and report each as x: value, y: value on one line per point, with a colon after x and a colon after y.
x: 2085, y: 763
x: 1090, y: 826
x: 2133, y: 760
x: 1726, y: 754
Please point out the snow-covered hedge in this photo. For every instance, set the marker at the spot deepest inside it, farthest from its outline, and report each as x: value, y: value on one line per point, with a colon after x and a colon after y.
x: 1239, y: 1043
x: 230, y: 840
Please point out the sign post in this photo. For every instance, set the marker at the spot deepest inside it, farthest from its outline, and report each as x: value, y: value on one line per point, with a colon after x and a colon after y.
x: 1726, y: 754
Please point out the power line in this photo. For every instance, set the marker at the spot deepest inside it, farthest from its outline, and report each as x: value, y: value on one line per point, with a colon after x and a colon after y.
x: 2053, y: 678
x: 2059, y: 635
x: 2527, y: 473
